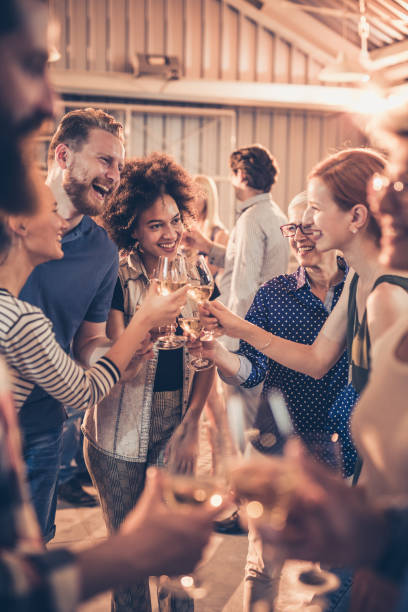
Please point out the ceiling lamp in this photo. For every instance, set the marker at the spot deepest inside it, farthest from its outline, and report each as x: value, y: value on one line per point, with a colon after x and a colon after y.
x: 348, y: 70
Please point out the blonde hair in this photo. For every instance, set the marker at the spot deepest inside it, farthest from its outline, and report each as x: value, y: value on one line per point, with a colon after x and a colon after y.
x: 208, y: 191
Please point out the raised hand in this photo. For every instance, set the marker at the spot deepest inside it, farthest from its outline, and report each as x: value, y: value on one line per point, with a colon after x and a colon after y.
x: 195, y: 239
x: 159, y: 309
x: 328, y: 521
x: 227, y: 322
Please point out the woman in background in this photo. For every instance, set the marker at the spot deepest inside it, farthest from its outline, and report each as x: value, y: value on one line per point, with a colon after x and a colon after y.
x: 206, y: 204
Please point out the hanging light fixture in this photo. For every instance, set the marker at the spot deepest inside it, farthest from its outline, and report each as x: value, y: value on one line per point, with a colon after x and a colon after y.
x: 348, y: 70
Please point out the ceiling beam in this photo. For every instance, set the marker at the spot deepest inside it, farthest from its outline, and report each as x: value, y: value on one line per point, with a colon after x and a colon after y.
x: 390, y: 55
x: 307, y: 33
x: 226, y: 93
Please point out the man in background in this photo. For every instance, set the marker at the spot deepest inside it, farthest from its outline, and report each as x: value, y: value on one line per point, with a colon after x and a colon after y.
x: 256, y: 250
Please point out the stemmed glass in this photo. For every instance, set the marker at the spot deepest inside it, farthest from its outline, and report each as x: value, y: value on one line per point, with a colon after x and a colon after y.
x: 201, y: 284
x: 201, y: 486
x: 171, y: 275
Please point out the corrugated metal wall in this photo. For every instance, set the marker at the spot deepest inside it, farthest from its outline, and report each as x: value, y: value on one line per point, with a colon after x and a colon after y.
x: 211, y: 38
x: 216, y: 41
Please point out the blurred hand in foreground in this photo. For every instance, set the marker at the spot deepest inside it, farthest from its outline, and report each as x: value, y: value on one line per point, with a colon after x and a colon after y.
x: 161, y: 539
x: 327, y: 521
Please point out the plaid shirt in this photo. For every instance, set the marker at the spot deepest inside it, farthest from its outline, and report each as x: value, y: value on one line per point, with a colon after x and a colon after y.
x: 31, y: 578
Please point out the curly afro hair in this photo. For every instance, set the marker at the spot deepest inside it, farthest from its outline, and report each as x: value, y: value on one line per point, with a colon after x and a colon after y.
x: 143, y: 181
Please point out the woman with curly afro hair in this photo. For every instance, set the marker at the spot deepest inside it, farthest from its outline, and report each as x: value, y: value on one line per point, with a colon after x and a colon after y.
x: 129, y: 430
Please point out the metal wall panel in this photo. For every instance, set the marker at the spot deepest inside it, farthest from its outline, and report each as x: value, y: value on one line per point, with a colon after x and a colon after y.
x: 298, y: 140
x: 211, y: 39
x: 229, y: 43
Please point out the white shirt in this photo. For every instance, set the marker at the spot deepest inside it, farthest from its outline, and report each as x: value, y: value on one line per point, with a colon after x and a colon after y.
x: 256, y: 252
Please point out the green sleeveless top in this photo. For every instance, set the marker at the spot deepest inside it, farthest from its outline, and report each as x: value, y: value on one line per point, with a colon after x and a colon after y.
x: 358, y: 337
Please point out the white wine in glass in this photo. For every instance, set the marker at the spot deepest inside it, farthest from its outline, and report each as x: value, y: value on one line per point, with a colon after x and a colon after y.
x: 169, y: 286
x: 191, y: 325
x: 171, y: 275
x: 201, y: 293
x: 201, y: 284
x: 187, y: 490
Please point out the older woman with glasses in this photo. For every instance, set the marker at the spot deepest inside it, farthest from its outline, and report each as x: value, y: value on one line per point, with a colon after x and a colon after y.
x: 293, y: 306
x: 374, y: 296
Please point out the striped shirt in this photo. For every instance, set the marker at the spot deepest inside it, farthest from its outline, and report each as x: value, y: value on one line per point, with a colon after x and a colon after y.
x: 34, y: 357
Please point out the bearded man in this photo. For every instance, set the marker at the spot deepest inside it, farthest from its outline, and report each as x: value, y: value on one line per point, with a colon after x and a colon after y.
x: 85, y: 160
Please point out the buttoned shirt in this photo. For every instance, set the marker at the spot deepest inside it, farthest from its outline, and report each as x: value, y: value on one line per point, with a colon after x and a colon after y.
x: 256, y: 251
x: 287, y: 307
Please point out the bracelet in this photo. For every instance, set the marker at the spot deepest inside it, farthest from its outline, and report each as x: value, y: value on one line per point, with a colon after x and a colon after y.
x: 262, y: 348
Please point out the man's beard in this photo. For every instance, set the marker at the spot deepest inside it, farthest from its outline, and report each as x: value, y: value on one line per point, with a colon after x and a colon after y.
x: 78, y: 193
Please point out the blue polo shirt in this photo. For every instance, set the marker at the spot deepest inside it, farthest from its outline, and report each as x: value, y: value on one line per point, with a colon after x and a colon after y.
x: 71, y: 290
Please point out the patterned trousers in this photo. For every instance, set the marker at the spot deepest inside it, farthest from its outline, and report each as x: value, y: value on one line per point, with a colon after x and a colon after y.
x: 120, y: 483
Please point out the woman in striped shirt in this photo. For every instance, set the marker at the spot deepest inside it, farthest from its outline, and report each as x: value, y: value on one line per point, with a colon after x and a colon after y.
x: 26, y: 337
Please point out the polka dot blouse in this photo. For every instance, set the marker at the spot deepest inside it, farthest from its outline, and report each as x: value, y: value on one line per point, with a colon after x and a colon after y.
x: 287, y: 307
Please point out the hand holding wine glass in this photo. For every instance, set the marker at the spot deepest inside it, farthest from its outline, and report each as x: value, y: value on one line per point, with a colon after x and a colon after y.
x: 201, y: 288
x: 229, y: 323
x: 158, y: 307
x: 171, y: 276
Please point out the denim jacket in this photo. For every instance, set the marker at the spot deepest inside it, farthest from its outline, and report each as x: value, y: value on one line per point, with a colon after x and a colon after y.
x: 120, y: 424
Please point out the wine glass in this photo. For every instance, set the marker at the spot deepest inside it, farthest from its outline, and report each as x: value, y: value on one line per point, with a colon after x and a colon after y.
x: 201, y: 284
x: 189, y: 320
x: 202, y: 486
x: 171, y: 275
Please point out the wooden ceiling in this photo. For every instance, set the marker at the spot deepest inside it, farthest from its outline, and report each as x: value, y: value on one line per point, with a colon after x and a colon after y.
x: 388, y: 19
x: 333, y: 25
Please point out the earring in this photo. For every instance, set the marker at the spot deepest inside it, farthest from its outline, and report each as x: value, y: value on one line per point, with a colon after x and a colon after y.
x: 354, y: 230
x: 137, y: 247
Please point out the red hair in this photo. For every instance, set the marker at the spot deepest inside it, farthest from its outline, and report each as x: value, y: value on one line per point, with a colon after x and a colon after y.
x: 346, y: 175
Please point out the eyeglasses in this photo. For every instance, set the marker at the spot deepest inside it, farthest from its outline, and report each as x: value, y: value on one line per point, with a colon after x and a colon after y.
x: 289, y: 229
